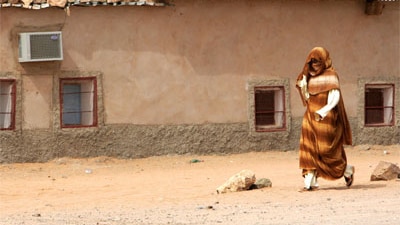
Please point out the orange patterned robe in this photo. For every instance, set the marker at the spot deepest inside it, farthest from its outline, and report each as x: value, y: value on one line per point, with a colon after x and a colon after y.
x: 321, y: 142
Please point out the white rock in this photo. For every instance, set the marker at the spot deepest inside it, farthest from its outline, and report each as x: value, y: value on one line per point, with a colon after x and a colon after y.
x: 238, y: 182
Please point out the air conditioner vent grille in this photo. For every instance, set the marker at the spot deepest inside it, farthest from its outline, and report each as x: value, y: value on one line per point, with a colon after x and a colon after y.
x: 45, y: 46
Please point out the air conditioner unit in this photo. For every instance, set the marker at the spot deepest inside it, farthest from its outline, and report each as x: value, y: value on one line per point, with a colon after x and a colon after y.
x: 40, y: 46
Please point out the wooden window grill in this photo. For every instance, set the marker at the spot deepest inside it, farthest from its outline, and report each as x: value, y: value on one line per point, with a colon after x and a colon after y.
x: 379, y: 105
x: 269, y: 108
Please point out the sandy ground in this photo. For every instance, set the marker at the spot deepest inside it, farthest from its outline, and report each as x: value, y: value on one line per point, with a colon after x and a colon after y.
x: 171, y: 190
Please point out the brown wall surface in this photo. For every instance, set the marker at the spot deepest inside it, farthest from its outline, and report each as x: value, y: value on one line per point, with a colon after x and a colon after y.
x: 188, y: 66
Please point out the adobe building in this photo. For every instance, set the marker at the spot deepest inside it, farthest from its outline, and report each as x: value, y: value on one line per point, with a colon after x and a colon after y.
x: 143, y: 78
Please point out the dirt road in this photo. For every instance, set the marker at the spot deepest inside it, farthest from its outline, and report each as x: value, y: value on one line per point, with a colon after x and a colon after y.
x: 171, y: 190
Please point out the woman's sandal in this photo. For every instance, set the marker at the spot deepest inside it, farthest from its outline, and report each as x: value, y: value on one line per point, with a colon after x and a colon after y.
x: 349, y: 180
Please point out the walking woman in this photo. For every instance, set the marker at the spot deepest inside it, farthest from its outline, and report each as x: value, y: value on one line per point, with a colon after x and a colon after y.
x: 325, y: 127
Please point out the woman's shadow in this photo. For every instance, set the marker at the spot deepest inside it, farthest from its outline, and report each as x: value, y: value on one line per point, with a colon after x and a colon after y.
x: 356, y: 186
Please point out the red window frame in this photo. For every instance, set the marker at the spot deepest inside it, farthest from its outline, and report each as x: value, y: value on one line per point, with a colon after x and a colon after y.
x: 13, y: 103
x: 265, y: 110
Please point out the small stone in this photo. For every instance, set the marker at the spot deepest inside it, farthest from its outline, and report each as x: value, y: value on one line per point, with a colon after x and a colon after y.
x: 262, y: 183
x: 364, y: 147
x: 196, y: 161
x: 61, y: 161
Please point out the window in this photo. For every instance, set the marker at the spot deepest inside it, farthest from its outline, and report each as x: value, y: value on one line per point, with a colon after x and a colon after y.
x: 7, y: 104
x: 379, y: 107
x: 269, y: 108
x: 78, y: 99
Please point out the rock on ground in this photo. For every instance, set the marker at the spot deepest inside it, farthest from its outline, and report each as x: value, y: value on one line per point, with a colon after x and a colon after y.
x: 385, y: 171
x: 238, y: 182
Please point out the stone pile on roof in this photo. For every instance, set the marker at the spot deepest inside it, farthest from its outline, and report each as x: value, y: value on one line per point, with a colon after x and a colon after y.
x: 41, y: 4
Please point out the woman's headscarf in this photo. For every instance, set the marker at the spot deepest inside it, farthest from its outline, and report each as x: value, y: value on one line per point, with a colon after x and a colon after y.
x: 321, y: 55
